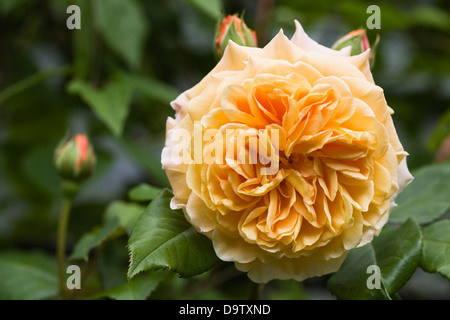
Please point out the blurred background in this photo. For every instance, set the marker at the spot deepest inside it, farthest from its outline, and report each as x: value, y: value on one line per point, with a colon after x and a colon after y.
x: 135, y: 56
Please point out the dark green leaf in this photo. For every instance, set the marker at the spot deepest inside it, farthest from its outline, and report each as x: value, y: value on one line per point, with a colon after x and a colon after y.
x: 93, y: 239
x: 143, y: 192
x: 152, y: 88
x: 31, y: 81
x: 436, y: 248
x: 27, y: 276
x: 209, y: 7
x: 427, y: 197
x: 138, y: 288
x: 395, y: 251
x: 430, y: 16
x: 112, y: 262
x: 118, y: 215
x: 7, y: 6
x: 124, y: 28
x: 163, y: 239
x: 441, y: 131
x: 125, y: 213
x: 110, y: 103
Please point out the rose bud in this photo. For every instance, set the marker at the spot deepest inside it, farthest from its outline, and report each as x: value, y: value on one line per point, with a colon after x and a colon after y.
x: 75, y: 159
x: 357, y: 39
x: 359, y: 43
x: 233, y: 28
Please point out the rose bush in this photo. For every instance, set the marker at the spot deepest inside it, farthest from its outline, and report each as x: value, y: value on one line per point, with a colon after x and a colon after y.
x: 314, y: 115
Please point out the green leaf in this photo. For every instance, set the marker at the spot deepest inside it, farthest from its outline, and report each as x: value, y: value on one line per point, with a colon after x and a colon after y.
x: 8, y: 6
x: 118, y: 215
x: 124, y: 27
x: 138, y: 288
x: 211, y: 8
x: 430, y: 16
x: 152, y: 88
x: 110, y: 103
x: 31, y: 81
x: 111, y: 261
x: 27, y: 276
x: 436, y: 248
x: 441, y: 131
x: 92, y: 240
x: 163, y: 239
x: 427, y: 197
x: 395, y: 251
x: 143, y: 192
x: 125, y: 213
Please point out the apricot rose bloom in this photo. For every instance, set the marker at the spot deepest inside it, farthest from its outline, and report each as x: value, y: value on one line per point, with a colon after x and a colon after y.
x: 317, y: 169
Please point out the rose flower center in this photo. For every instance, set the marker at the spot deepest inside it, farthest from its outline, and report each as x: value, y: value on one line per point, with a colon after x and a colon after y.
x: 323, y: 162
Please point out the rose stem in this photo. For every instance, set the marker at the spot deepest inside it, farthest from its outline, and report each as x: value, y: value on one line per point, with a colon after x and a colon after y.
x: 61, y: 242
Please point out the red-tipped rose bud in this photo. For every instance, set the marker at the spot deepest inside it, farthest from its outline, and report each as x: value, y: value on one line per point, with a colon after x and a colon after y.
x: 233, y: 28
x: 359, y: 43
x: 357, y: 39
x: 75, y: 159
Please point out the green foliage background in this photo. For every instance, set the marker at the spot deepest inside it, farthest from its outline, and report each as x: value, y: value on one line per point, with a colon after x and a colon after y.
x: 114, y: 79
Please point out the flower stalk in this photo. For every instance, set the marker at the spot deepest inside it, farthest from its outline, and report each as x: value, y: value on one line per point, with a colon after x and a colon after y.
x: 61, y: 241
